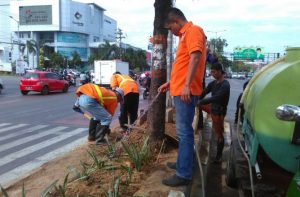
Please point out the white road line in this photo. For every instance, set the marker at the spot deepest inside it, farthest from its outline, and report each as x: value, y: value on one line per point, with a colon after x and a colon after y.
x: 9, y: 177
x: 4, y: 124
x: 13, y: 127
x: 30, y: 138
x: 38, y: 146
x: 34, y: 128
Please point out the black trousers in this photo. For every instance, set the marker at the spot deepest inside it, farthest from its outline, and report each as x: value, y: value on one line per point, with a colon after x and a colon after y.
x: 129, y: 107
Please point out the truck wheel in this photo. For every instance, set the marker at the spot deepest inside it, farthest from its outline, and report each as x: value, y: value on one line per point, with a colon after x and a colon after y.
x: 24, y: 92
x: 45, y: 90
x: 230, y: 177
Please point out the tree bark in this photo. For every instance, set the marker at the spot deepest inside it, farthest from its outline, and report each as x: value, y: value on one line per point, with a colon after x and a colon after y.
x: 156, y: 112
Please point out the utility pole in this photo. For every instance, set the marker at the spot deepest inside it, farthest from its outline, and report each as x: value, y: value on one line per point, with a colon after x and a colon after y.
x: 119, y: 37
x: 18, y: 22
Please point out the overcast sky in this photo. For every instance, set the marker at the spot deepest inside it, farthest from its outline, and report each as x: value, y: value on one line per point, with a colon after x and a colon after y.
x: 270, y: 24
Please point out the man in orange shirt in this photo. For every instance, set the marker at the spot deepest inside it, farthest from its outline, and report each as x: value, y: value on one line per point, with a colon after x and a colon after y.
x: 101, y: 103
x: 185, y: 86
x: 131, y: 98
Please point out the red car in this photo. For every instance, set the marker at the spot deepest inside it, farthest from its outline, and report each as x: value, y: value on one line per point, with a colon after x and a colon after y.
x: 43, y: 82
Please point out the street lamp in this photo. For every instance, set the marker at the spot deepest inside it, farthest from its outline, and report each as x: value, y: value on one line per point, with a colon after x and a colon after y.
x: 18, y: 22
x: 216, y: 32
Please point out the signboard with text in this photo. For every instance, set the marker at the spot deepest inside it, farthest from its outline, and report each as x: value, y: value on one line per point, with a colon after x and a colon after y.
x: 35, y: 15
x: 248, y: 53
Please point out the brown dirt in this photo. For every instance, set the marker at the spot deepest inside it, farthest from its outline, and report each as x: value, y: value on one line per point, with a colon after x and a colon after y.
x: 101, y: 180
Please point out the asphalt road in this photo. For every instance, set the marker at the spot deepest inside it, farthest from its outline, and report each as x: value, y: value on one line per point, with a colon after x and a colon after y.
x: 35, y: 128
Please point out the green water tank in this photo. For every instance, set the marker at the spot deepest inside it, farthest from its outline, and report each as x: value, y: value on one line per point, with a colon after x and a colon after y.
x: 276, y: 84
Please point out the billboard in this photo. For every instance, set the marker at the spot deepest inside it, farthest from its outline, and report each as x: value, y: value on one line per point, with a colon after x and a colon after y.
x: 248, y: 53
x: 35, y: 15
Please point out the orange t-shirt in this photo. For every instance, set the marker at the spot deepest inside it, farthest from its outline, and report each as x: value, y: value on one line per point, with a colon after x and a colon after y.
x: 110, y: 100
x: 125, y: 82
x: 191, y: 39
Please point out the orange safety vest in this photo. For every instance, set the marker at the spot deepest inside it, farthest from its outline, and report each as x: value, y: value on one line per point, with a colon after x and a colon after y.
x: 106, y: 98
x: 125, y: 82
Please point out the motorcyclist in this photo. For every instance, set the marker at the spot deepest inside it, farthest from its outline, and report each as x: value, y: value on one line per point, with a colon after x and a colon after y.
x: 146, y: 84
x: 101, y: 103
x: 83, y: 78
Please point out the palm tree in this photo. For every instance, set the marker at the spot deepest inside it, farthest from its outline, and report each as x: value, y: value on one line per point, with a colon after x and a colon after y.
x: 31, y: 49
x: 156, y: 114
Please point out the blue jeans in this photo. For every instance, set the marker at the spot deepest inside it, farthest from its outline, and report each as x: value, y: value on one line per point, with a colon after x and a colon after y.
x: 93, y: 107
x: 184, y: 118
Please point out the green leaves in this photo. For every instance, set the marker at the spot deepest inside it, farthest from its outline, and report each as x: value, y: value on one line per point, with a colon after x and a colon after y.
x: 98, y: 162
x: 137, y: 156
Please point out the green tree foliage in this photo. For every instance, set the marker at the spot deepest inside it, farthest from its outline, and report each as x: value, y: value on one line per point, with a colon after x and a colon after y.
x: 135, y: 58
x: 41, y: 58
x: 217, y: 44
x: 56, y: 60
x: 76, y: 60
x: 225, y: 61
x: 32, y: 48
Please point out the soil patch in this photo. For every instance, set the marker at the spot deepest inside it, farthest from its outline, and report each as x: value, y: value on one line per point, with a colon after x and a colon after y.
x: 113, y: 171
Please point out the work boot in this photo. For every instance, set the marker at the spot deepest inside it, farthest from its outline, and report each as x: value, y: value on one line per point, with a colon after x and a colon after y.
x: 122, y: 125
x: 220, y: 147
x: 175, y: 181
x: 101, y: 131
x: 92, y: 129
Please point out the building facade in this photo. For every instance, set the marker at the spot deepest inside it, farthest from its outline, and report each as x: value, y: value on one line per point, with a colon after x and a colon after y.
x: 66, y: 26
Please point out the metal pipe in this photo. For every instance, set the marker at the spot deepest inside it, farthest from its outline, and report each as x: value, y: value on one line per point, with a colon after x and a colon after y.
x: 258, y: 172
x: 243, y: 151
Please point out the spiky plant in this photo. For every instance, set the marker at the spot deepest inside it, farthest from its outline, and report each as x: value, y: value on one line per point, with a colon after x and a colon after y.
x: 137, y: 156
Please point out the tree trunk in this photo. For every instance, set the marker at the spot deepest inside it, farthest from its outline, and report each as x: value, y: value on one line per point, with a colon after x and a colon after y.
x: 156, y: 113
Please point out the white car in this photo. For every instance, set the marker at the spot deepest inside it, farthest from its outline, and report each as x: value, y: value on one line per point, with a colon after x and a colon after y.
x: 1, y: 85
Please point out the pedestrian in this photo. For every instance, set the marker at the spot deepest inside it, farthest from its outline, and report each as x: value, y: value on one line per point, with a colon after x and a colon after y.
x: 101, y: 103
x: 216, y: 105
x: 185, y: 86
x: 131, y: 98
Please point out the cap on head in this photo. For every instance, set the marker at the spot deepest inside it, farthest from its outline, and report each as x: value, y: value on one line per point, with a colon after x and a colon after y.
x: 120, y: 93
x: 217, y: 66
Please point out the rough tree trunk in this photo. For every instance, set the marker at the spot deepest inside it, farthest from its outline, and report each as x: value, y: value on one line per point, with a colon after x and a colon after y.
x: 156, y: 113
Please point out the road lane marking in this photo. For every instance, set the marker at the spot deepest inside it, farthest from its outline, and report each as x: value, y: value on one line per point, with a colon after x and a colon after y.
x: 13, y: 127
x: 4, y: 124
x: 34, y: 128
x: 30, y: 138
x: 38, y: 146
x: 9, y: 177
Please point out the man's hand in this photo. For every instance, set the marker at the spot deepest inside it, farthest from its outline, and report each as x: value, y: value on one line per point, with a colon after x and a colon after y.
x: 164, y: 87
x: 77, y: 109
x: 186, y: 94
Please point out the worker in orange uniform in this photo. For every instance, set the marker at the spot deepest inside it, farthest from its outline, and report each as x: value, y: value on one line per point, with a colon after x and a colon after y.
x: 131, y: 98
x: 101, y: 103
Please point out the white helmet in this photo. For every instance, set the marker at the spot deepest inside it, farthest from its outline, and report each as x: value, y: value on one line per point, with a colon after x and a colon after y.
x: 120, y: 92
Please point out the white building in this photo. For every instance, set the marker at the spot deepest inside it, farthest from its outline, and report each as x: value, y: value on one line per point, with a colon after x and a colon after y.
x: 65, y: 26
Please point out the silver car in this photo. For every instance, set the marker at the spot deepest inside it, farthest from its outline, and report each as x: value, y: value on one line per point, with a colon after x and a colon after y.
x: 1, y: 85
